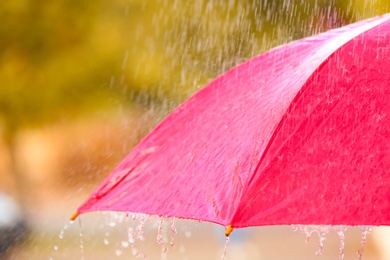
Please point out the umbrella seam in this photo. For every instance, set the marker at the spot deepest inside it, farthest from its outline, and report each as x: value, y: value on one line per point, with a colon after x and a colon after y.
x: 376, y: 23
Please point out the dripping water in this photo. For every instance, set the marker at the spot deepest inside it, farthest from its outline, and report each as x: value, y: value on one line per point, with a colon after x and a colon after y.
x: 366, y: 230
x: 62, y: 234
x: 322, y: 236
x: 140, y: 228
x: 135, y: 234
x: 81, y: 234
x: 160, y: 238
x: 225, y: 249
x: 341, y: 233
x: 106, y: 239
x: 62, y: 231
x: 322, y: 231
x: 174, y: 232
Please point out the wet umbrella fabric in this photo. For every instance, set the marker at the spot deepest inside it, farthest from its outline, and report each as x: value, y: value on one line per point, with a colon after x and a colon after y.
x: 298, y: 135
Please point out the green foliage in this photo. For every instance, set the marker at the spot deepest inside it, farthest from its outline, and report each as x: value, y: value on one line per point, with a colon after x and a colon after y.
x: 65, y: 58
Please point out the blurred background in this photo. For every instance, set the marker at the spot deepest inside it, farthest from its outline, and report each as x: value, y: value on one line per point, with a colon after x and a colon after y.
x: 82, y: 83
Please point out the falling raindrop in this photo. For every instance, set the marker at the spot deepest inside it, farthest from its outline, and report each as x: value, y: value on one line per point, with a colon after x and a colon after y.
x: 140, y: 227
x: 106, y: 241
x: 174, y: 231
x: 131, y: 235
x: 341, y: 232
x: 321, y: 241
x: 118, y: 252
x: 119, y: 217
x: 342, y: 244
x: 125, y: 244
x: 135, y: 234
x: 173, y: 226
x: 188, y: 234
x: 164, y: 250
x: 160, y: 240
x: 308, y: 236
x: 366, y: 230
x: 322, y: 231
x: 81, y: 234
x: 62, y: 231
x: 55, y: 248
x: 136, y: 253
x: 125, y: 60
x: 114, y: 218
x: 172, y: 243
x: 112, y: 223
x: 225, y: 249
x: 305, y: 230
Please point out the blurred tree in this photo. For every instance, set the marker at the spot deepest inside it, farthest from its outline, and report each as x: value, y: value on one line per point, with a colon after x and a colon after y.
x: 50, y: 64
x: 56, y: 61
x: 67, y: 58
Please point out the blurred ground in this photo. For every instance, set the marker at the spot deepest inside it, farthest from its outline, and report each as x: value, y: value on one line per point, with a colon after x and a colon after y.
x: 193, y: 241
x: 82, y: 83
x: 54, y: 198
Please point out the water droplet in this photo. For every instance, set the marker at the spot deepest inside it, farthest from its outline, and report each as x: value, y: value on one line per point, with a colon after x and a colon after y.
x: 62, y: 231
x: 160, y: 240
x: 164, y: 249
x: 174, y: 231
x: 173, y: 226
x: 321, y: 246
x: 187, y: 234
x: 322, y: 231
x: 136, y: 253
x: 294, y: 227
x: 366, y: 230
x: 125, y: 244
x: 134, y: 250
x: 118, y: 252
x: 307, y: 240
x: 341, y: 232
x: 172, y: 243
x: 140, y: 228
x: 105, y: 241
x: 61, y: 235
x: 55, y: 248
x: 112, y: 222
x: 81, y: 238
x: 225, y: 249
x: 131, y: 235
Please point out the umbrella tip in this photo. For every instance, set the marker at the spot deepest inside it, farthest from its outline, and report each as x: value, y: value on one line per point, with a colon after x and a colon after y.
x: 229, y: 230
x: 74, y: 216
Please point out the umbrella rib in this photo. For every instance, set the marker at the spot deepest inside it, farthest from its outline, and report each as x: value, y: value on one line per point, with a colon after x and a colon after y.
x: 327, y: 53
x: 299, y: 93
x: 308, y: 136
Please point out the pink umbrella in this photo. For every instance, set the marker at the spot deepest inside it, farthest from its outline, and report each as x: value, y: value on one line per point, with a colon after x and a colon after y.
x: 298, y: 135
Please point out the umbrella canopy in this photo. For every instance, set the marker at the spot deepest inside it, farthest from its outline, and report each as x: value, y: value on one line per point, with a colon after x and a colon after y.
x: 298, y: 135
